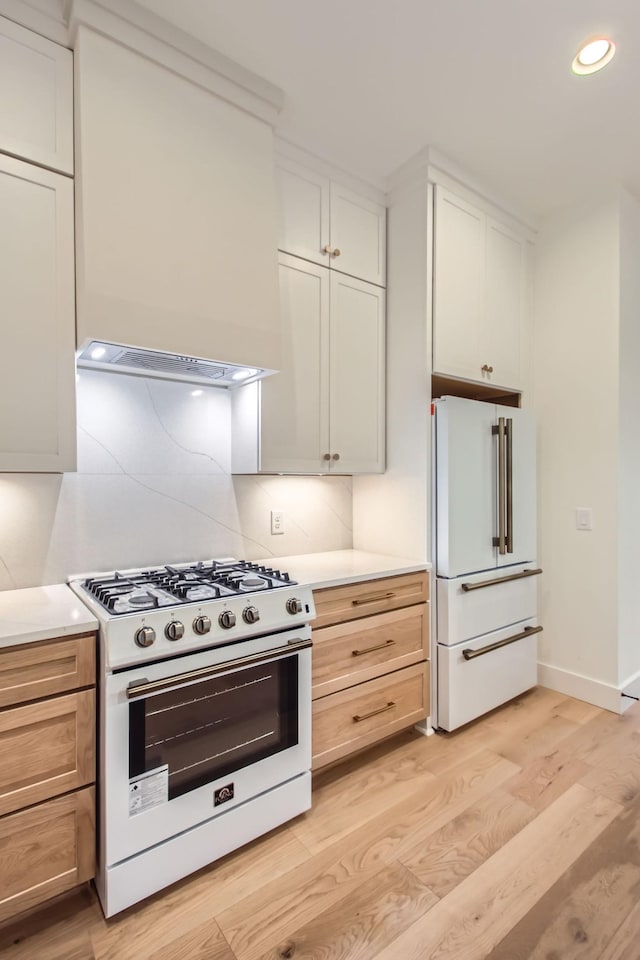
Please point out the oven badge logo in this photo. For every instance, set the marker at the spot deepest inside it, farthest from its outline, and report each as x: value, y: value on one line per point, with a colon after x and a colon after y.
x: 222, y: 794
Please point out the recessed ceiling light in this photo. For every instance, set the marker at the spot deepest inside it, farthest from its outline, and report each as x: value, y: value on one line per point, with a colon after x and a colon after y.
x: 593, y: 55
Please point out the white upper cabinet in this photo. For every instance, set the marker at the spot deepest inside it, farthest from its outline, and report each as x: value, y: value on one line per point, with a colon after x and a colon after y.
x: 37, y: 368
x: 325, y: 222
x: 357, y: 376
x: 479, y: 285
x: 36, y: 105
x: 295, y: 402
x: 324, y: 412
x: 176, y: 213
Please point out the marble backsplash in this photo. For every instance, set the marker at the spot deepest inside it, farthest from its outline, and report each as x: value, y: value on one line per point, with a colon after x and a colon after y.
x: 154, y: 486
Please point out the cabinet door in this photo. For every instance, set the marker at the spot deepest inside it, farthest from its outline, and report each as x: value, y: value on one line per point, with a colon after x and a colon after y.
x: 303, y: 207
x: 46, y: 748
x: 358, y: 232
x: 46, y: 850
x: 357, y: 376
x: 37, y: 367
x: 36, y: 107
x: 295, y: 402
x: 504, y: 303
x: 458, y: 287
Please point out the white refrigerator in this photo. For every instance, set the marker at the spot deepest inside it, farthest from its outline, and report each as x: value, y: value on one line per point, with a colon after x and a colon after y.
x: 485, y: 552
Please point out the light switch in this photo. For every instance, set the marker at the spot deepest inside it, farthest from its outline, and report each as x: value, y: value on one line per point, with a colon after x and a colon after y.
x: 584, y: 518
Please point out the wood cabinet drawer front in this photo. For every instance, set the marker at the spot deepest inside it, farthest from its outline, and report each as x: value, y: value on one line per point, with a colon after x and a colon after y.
x: 351, y: 653
x: 37, y: 670
x: 474, y: 605
x: 46, y: 748
x: 354, y: 718
x: 46, y: 850
x: 469, y: 687
x: 337, y: 604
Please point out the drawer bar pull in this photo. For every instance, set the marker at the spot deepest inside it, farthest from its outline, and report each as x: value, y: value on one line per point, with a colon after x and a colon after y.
x: 378, y: 646
x: 527, y: 632
x: 493, y: 583
x: 373, y: 598
x: 359, y: 717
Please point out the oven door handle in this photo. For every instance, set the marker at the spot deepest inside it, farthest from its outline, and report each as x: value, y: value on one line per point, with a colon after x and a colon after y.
x: 142, y: 688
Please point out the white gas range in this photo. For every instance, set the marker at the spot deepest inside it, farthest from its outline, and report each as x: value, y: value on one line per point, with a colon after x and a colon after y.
x: 205, y: 716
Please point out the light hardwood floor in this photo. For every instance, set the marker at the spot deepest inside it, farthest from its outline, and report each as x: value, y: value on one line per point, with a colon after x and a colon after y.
x: 516, y: 837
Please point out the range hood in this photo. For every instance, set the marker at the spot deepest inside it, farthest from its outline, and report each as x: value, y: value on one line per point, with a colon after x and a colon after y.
x: 120, y: 358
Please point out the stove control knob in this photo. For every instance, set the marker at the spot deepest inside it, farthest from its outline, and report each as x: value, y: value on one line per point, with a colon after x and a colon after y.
x: 201, y: 625
x: 294, y: 606
x: 227, y: 619
x: 250, y: 614
x: 174, y: 630
x: 145, y: 636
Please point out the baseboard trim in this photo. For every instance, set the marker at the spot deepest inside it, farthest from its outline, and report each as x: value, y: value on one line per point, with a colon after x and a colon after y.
x: 600, y: 694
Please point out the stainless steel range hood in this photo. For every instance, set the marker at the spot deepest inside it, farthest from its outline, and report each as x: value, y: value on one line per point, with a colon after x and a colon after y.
x: 119, y: 358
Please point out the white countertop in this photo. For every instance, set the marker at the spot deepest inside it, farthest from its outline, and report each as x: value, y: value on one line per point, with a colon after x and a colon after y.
x: 41, y: 613
x: 338, y: 567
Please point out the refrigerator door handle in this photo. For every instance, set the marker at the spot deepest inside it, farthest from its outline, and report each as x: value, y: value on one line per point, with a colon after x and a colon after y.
x: 470, y: 654
x: 500, y: 541
x: 509, y: 474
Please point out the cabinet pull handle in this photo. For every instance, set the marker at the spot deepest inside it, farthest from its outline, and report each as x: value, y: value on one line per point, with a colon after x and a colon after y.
x: 466, y: 587
x: 486, y: 368
x: 527, y: 632
x: 326, y: 456
x: 336, y: 252
x: 373, y: 598
x: 379, y: 646
x: 327, y: 249
x: 336, y: 456
x: 359, y: 717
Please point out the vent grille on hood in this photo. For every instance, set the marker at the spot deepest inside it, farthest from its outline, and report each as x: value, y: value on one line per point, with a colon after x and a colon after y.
x: 153, y: 363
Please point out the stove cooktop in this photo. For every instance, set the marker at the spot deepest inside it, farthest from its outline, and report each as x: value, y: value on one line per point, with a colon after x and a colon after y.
x: 134, y: 591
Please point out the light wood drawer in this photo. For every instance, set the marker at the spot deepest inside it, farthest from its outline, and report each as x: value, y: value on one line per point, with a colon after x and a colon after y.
x: 351, y: 653
x: 337, y: 604
x: 46, y: 748
x: 36, y: 670
x: 477, y: 604
x: 46, y: 850
x: 355, y: 718
x: 468, y: 688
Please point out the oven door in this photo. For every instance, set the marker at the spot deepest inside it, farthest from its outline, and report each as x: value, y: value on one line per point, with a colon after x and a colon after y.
x: 188, y: 738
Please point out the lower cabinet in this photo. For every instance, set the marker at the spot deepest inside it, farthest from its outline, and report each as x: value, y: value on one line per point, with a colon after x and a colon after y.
x: 46, y: 850
x: 370, y: 675
x: 47, y: 770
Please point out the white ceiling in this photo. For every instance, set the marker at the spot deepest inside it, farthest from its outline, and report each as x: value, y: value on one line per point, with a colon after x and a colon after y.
x: 368, y: 83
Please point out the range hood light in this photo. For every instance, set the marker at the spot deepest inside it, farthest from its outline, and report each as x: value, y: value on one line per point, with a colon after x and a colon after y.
x: 117, y: 357
x: 197, y: 393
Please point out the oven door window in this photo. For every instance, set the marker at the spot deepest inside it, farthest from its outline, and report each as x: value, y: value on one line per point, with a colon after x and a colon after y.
x: 207, y: 730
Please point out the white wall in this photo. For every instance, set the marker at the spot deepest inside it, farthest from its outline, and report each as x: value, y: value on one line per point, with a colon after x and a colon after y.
x: 154, y: 486
x: 576, y: 403
x: 629, y: 442
x: 391, y: 511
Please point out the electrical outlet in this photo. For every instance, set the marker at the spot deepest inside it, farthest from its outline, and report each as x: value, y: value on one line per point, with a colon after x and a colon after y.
x: 584, y: 518
x: 277, y: 522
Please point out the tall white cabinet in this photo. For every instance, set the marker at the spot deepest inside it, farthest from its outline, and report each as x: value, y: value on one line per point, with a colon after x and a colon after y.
x: 479, y: 293
x: 37, y: 305
x: 324, y: 412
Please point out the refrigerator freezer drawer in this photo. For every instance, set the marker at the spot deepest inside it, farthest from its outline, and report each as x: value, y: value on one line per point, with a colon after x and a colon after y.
x: 468, y: 688
x: 477, y: 604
